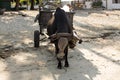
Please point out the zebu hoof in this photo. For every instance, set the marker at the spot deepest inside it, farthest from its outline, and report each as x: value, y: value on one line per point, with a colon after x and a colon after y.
x: 80, y: 41
x: 59, y: 67
x: 66, y: 64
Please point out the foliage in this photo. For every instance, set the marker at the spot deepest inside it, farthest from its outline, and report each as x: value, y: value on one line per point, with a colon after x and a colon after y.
x: 97, y: 3
x: 24, y: 2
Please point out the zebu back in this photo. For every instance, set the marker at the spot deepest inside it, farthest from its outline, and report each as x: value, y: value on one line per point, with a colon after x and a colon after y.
x: 61, y: 22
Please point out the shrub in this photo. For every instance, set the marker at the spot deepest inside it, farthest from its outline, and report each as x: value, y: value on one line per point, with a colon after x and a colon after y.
x: 97, y: 4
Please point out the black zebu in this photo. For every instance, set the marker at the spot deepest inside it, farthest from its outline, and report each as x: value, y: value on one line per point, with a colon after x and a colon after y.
x: 60, y: 31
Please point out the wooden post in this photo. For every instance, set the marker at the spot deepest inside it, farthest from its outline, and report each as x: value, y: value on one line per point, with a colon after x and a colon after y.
x: 40, y: 3
x: 27, y: 4
x: 17, y: 5
x: 32, y: 5
x: 106, y: 4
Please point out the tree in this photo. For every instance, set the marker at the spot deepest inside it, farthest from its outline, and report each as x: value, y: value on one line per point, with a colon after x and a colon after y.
x: 32, y: 4
x: 17, y: 4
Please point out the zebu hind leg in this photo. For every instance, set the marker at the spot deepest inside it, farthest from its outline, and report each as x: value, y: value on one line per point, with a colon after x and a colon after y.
x: 66, y: 57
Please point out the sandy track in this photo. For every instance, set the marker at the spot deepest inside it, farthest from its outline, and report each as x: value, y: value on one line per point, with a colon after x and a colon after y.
x: 97, y: 58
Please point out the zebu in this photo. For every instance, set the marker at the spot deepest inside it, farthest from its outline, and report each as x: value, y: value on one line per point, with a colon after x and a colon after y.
x: 60, y: 31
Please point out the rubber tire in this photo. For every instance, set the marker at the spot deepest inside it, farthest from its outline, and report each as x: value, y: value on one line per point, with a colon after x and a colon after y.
x: 36, y: 38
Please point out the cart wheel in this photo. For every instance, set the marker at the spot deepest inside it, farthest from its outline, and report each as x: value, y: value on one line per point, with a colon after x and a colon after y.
x: 36, y: 38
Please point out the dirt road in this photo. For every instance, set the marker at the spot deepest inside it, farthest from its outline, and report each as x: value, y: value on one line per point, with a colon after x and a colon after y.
x: 97, y: 58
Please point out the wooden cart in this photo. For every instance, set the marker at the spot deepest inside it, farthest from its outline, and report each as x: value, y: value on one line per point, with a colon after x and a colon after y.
x: 44, y: 17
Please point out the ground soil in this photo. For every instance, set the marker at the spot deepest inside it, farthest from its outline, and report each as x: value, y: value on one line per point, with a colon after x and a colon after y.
x: 97, y: 58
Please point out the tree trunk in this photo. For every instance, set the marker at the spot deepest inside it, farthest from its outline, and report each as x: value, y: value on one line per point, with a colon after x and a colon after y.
x: 17, y: 4
x: 32, y: 5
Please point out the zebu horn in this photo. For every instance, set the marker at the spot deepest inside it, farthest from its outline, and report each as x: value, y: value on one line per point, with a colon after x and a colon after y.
x: 57, y: 35
x: 64, y: 34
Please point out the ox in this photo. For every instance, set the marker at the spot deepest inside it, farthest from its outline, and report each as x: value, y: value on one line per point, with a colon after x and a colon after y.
x: 60, y: 31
